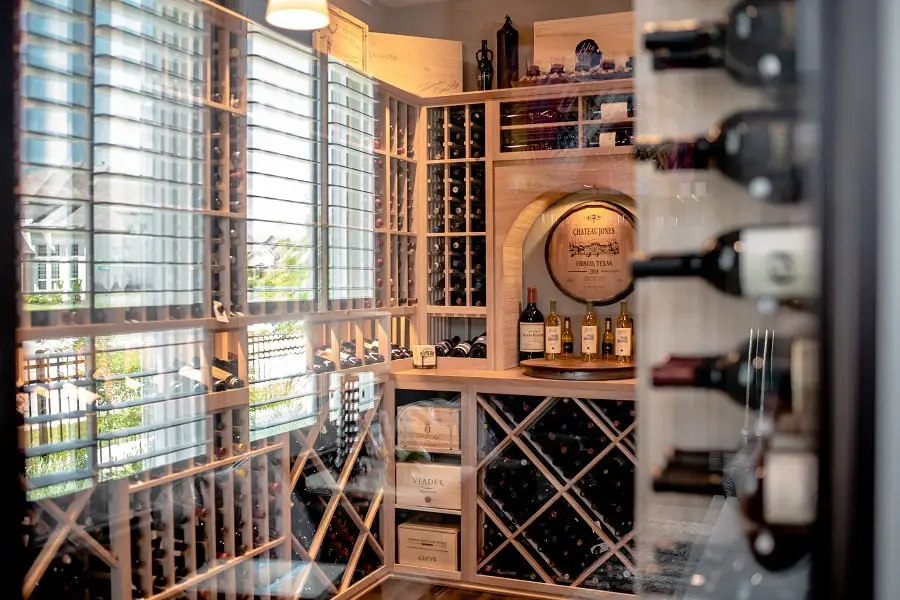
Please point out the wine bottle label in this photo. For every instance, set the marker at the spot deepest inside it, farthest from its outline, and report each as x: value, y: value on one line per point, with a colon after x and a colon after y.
x: 589, y: 339
x: 623, y: 341
x: 779, y: 263
x: 218, y: 373
x: 554, y: 340
x: 789, y: 489
x: 531, y: 337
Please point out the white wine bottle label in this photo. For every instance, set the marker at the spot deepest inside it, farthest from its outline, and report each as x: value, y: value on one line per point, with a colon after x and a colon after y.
x: 531, y: 337
x: 779, y: 262
x: 589, y: 339
x: 554, y: 340
x: 623, y: 341
x: 789, y: 489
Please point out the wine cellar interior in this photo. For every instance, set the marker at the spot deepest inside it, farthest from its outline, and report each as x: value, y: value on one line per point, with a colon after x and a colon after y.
x: 275, y: 308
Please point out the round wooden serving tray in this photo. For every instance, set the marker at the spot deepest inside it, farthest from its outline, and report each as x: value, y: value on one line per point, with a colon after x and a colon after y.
x: 577, y: 369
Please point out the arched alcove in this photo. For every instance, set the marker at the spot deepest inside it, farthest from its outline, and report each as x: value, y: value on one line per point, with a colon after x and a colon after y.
x: 523, y: 194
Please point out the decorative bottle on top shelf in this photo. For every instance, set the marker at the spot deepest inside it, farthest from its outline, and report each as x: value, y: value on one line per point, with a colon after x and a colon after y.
x: 568, y: 340
x: 608, y: 347
x: 624, y: 336
x: 507, y: 55
x: 756, y: 44
x: 755, y: 262
x: 485, y: 58
x: 589, y: 334
x: 760, y: 149
x: 553, y: 334
x: 531, y: 329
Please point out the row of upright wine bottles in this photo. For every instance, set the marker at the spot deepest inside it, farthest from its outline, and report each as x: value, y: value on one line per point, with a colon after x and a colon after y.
x: 773, y: 473
x: 553, y: 339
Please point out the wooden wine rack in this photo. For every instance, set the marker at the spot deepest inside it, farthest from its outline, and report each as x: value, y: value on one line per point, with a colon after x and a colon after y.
x: 303, y: 460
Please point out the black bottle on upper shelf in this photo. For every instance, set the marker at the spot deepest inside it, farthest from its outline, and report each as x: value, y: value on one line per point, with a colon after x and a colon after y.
x: 764, y: 150
x: 756, y: 44
x: 777, y: 262
x: 484, y: 59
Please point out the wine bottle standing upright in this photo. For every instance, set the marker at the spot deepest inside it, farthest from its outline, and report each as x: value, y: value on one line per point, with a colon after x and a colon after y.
x: 589, y: 334
x: 624, y: 336
x: 507, y: 55
x: 568, y: 340
x: 763, y: 150
x: 756, y: 44
x: 531, y: 329
x: 754, y: 262
x: 553, y: 334
x: 485, y: 58
x: 608, y: 346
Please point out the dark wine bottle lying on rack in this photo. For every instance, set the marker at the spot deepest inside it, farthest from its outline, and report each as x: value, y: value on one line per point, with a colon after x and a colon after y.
x: 756, y: 44
x: 777, y: 262
x: 761, y: 149
x: 689, y: 480
x: 773, y: 368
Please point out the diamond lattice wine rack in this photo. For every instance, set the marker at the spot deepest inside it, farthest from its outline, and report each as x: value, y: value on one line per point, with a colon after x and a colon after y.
x: 556, y: 490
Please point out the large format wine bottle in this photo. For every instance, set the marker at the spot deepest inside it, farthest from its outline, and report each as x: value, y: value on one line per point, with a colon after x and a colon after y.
x: 756, y: 43
x: 553, y: 333
x: 755, y: 262
x: 531, y: 329
x: 768, y: 367
x: 761, y: 149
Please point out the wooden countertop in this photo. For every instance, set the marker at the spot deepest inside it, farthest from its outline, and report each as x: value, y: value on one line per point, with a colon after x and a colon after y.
x: 514, y: 381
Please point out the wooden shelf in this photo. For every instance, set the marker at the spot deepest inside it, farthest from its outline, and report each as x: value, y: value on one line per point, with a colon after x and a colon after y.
x: 610, y: 151
x: 438, y: 452
x: 427, y: 573
x: 515, y: 381
x: 458, y: 311
x: 442, y: 511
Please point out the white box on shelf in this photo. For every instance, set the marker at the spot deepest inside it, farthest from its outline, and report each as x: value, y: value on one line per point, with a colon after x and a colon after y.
x: 429, y: 485
x: 429, y: 545
x: 433, y: 428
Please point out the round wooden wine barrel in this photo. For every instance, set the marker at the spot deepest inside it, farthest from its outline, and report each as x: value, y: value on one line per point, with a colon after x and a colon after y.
x: 588, y: 253
x: 577, y: 369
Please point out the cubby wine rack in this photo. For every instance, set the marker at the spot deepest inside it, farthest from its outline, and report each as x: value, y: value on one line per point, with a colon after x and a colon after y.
x: 568, y: 122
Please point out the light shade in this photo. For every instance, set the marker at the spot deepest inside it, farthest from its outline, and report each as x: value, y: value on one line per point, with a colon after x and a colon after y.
x: 298, y: 14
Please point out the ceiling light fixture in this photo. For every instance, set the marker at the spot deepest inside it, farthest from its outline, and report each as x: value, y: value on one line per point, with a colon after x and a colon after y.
x: 299, y: 15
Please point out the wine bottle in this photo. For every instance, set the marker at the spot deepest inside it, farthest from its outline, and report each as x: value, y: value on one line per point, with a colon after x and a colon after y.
x: 778, y: 500
x: 568, y: 340
x: 461, y: 350
x: 553, y: 334
x: 589, y: 333
x: 446, y: 346
x: 755, y: 262
x: 479, y: 347
x: 531, y: 329
x: 624, y: 333
x: 755, y: 44
x: 774, y: 367
x: 608, y: 347
x: 758, y: 149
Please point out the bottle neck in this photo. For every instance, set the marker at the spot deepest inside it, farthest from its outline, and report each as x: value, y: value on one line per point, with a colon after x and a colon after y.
x: 532, y: 296
x: 694, y: 37
x: 608, y: 324
x: 687, y: 371
x: 684, y: 265
x: 676, y: 155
